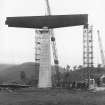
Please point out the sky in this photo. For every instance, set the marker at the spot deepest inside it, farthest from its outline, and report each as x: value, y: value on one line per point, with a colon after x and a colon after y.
x: 17, y: 44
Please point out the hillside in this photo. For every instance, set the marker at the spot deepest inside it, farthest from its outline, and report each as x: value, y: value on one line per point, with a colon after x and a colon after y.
x: 12, y: 72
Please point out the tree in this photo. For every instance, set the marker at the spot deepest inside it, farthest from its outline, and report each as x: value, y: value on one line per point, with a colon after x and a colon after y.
x: 74, y: 68
x: 99, y: 65
x: 67, y: 68
x: 80, y: 67
x: 22, y: 75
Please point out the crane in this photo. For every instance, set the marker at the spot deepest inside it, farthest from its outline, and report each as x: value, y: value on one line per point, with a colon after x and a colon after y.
x: 101, y: 49
x: 53, y: 44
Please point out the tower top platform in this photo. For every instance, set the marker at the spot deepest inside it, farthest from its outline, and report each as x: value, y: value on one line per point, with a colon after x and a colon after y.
x: 52, y: 21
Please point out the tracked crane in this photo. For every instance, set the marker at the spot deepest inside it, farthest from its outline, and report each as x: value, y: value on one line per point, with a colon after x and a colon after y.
x: 53, y: 42
x: 101, y: 49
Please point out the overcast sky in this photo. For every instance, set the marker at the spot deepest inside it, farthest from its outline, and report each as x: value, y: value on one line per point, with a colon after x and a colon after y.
x: 17, y: 45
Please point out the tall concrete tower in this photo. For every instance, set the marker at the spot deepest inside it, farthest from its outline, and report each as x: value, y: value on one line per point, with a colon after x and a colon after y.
x: 45, y: 59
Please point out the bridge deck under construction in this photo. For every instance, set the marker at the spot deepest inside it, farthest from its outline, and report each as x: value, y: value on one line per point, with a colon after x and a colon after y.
x: 53, y: 21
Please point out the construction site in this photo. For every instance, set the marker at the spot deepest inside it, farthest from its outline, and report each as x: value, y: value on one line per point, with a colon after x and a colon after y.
x: 40, y: 82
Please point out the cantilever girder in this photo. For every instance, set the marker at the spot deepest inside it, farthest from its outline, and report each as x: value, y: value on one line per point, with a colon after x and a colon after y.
x: 52, y: 21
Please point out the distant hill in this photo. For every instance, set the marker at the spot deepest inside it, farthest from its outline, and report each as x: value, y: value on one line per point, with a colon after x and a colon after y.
x: 5, y: 66
x: 12, y: 72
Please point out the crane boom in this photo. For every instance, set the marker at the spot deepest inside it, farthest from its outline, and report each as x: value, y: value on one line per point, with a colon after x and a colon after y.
x: 52, y: 37
x: 101, y: 49
x: 53, y: 43
x: 48, y: 7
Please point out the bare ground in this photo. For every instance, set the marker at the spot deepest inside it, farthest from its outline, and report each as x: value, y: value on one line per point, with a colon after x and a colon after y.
x: 52, y: 97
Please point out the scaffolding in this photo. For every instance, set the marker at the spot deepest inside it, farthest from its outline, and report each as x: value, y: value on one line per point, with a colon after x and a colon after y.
x: 88, y: 51
x: 88, y: 46
x: 37, y: 54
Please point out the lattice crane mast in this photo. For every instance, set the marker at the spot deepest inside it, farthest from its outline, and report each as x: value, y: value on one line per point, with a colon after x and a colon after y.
x: 101, y: 48
x: 53, y: 42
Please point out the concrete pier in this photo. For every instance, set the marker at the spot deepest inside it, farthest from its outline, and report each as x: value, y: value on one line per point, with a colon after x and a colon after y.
x: 45, y: 60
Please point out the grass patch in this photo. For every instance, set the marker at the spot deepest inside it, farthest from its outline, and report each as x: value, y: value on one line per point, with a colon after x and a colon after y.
x: 52, y: 97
